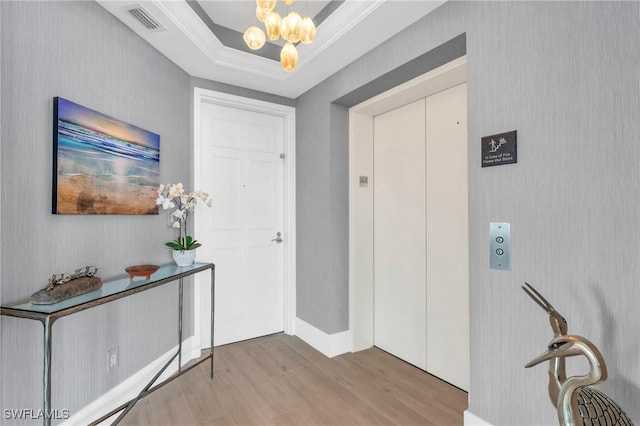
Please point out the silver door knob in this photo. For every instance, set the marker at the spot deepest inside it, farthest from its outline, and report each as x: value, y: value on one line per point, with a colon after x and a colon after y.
x: 278, y: 238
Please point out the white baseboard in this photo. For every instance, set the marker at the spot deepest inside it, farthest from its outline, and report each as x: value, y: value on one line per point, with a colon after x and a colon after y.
x: 191, y: 349
x: 129, y: 389
x: 471, y: 419
x: 329, y: 344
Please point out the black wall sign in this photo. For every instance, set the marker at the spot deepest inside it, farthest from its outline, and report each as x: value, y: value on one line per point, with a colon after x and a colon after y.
x: 500, y: 149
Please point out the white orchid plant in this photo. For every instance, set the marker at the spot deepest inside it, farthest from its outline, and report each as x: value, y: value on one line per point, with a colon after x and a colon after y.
x: 172, y: 196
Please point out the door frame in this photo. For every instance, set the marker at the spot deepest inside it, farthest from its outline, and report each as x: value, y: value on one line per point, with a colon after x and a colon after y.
x: 361, y: 211
x: 288, y: 115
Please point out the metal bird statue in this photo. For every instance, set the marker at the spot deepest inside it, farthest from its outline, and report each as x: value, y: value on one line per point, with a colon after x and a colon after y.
x: 576, y: 401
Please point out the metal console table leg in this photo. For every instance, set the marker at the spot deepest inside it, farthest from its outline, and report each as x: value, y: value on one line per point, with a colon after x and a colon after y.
x: 213, y: 280
x: 180, y: 326
x: 46, y: 372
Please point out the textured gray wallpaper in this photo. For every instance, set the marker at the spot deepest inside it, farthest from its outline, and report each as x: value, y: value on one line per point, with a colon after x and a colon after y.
x: 566, y: 76
x: 79, y: 51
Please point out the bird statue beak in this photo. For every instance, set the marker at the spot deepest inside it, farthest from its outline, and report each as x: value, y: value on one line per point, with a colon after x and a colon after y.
x: 542, y: 358
x: 558, y: 347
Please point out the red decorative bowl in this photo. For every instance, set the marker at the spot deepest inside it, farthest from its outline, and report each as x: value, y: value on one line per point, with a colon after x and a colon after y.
x: 141, y: 270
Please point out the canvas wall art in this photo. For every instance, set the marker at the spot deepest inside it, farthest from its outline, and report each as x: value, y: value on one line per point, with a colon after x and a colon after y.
x: 102, y: 165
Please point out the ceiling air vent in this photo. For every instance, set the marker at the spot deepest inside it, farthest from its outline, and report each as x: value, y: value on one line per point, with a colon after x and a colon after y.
x: 145, y: 18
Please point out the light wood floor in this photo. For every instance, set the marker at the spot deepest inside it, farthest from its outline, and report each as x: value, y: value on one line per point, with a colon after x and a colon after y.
x: 280, y: 380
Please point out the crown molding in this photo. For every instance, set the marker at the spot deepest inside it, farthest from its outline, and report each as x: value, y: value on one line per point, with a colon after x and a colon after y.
x: 194, y: 29
x: 353, y: 29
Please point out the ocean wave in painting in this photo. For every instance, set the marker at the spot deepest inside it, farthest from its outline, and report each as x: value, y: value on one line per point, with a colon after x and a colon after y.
x: 74, y: 136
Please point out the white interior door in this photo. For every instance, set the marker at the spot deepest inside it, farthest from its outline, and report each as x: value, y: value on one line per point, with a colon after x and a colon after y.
x: 399, y: 233
x: 241, y: 166
x: 447, y: 237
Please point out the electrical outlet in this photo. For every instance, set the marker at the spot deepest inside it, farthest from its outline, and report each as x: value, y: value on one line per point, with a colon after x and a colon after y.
x: 113, y: 359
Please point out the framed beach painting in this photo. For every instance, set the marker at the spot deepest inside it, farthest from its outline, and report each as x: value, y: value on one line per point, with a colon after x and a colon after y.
x: 102, y: 165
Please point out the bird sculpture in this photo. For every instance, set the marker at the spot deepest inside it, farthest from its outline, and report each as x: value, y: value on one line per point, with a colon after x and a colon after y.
x: 576, y: 401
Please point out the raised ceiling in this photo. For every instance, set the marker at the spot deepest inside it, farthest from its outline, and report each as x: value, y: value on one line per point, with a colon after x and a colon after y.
x: 204, y: 38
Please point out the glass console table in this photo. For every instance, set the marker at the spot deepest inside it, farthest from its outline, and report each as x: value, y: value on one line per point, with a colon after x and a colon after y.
x: 110, y: 291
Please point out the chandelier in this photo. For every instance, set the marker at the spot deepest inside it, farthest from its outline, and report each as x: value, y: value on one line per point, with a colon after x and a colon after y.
x: 292, y: 28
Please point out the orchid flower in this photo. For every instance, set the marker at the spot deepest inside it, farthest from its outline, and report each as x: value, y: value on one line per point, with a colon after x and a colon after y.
x: 172, y: 196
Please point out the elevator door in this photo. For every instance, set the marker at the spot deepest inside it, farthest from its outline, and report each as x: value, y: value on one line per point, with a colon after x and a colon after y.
x: 448, y: 237
x: 421, y: 307
x: 399, y: 233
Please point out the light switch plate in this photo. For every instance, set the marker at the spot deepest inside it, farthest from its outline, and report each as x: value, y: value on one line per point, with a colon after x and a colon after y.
x: 499, y: 245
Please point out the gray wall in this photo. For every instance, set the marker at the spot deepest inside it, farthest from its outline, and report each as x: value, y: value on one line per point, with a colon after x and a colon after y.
x: 565, y: 75
x: 79, y: 51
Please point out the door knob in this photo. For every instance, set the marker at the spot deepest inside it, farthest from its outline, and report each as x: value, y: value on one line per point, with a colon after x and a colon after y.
x: 278, y: 238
